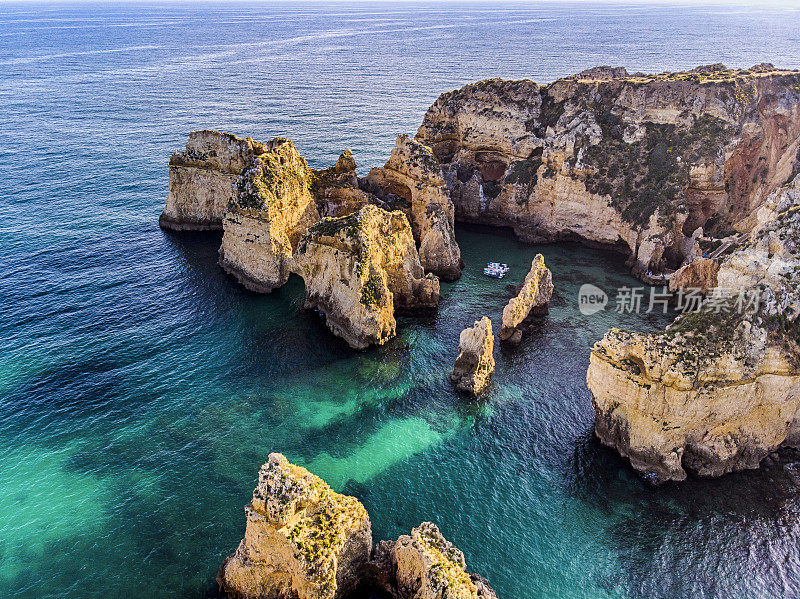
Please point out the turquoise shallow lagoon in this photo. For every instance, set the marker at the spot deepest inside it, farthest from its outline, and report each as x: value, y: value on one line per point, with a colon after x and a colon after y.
x: 141, y: 389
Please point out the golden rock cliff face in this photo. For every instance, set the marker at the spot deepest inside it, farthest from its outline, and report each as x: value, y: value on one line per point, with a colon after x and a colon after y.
x: 358, y: 269
x: 336, y: 189
x: 302, y: 541
x: 635, y: 162
x: 202, y: 178
x: 533, y: 298
x: 475, y: 362
x: 271, y: 209
x: 715, y: 392
x: 428, y: 566
x: 414, y: 179
x: 699, y: 274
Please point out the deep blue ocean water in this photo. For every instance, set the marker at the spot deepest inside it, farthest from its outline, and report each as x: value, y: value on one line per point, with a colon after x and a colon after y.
x: 141, y: 389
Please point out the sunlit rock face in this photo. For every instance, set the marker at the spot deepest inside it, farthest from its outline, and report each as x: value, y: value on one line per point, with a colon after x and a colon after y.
x: 717, y: 391
x: 475, y: 361
x: 533, y: 299
x: 700, y: 274
x: 424, y: 565
x: 302, y: 540
x: 629, y: 161
x: 336, y: 189
x: 412, y: 180
x: 202, y: 178
x: 359, y: 269
x: 271, y: 209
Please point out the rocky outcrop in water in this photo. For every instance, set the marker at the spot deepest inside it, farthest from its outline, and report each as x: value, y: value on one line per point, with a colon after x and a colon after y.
x: 358, y: 269
x: 302, y: 539
x: 412, y: 180
x: 475, y: 362
x: 425, y: 565
x: 629, y: 161
x: 271, y: 210
x: 202, y: 178
x: 336, y: 189
x: 719, y: 389
x: 533, y: 299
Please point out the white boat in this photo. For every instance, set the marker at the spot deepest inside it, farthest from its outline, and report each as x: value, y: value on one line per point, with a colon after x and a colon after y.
x: 495, y: 269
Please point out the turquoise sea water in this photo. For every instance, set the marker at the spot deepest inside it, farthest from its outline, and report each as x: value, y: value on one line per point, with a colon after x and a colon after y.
x: 141, y: 389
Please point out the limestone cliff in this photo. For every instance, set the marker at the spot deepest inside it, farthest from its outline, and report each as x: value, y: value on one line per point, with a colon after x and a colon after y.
x: 358, y: 269
x: 202, y: 178
x: 719, y: 389
x: 412, y: 180
x: 533, y: 298
x: 699, y: 274
x: 424, y: 565
x: 630, y: 161
x: 475, y: 361
x: 271, y: 209
x: 302, y: 539
x: 336, y: 189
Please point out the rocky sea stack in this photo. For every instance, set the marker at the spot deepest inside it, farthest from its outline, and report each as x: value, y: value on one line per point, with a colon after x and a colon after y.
x: 304, y: 541
x: 358, y: 269
x: 271, y: 209
x: 202, y: 179
x: 533, y: 299
x: 475, y: 362
x: 413, y: 176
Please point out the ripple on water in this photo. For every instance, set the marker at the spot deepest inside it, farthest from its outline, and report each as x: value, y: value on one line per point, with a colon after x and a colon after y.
x: 141, y: 389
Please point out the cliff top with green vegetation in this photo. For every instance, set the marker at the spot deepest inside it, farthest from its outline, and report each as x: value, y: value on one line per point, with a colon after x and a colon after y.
x: 317, y: 519
x: 278, y: 171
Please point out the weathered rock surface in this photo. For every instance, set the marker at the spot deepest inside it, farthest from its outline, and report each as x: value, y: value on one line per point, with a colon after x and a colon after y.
x: 202, y: 178
x: 412, y: 180
x: 699, y: 274
x: 302, y: 541
x: 533, y: 298
x: 271, y: 210
x: 336, y: 189
x: 633, y: 162
x: 358, y: 269
x: 425, y: 565
x: 717, y: 391
x: 475, y: 362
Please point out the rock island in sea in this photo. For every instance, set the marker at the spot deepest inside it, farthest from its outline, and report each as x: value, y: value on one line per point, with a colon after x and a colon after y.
x: 305, y: 541
x: 662, y: 168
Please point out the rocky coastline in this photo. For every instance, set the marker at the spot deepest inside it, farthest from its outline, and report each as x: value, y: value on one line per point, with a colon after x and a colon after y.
x: 691, y: 175
x: 719, y: 390
x: 631, y: 162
